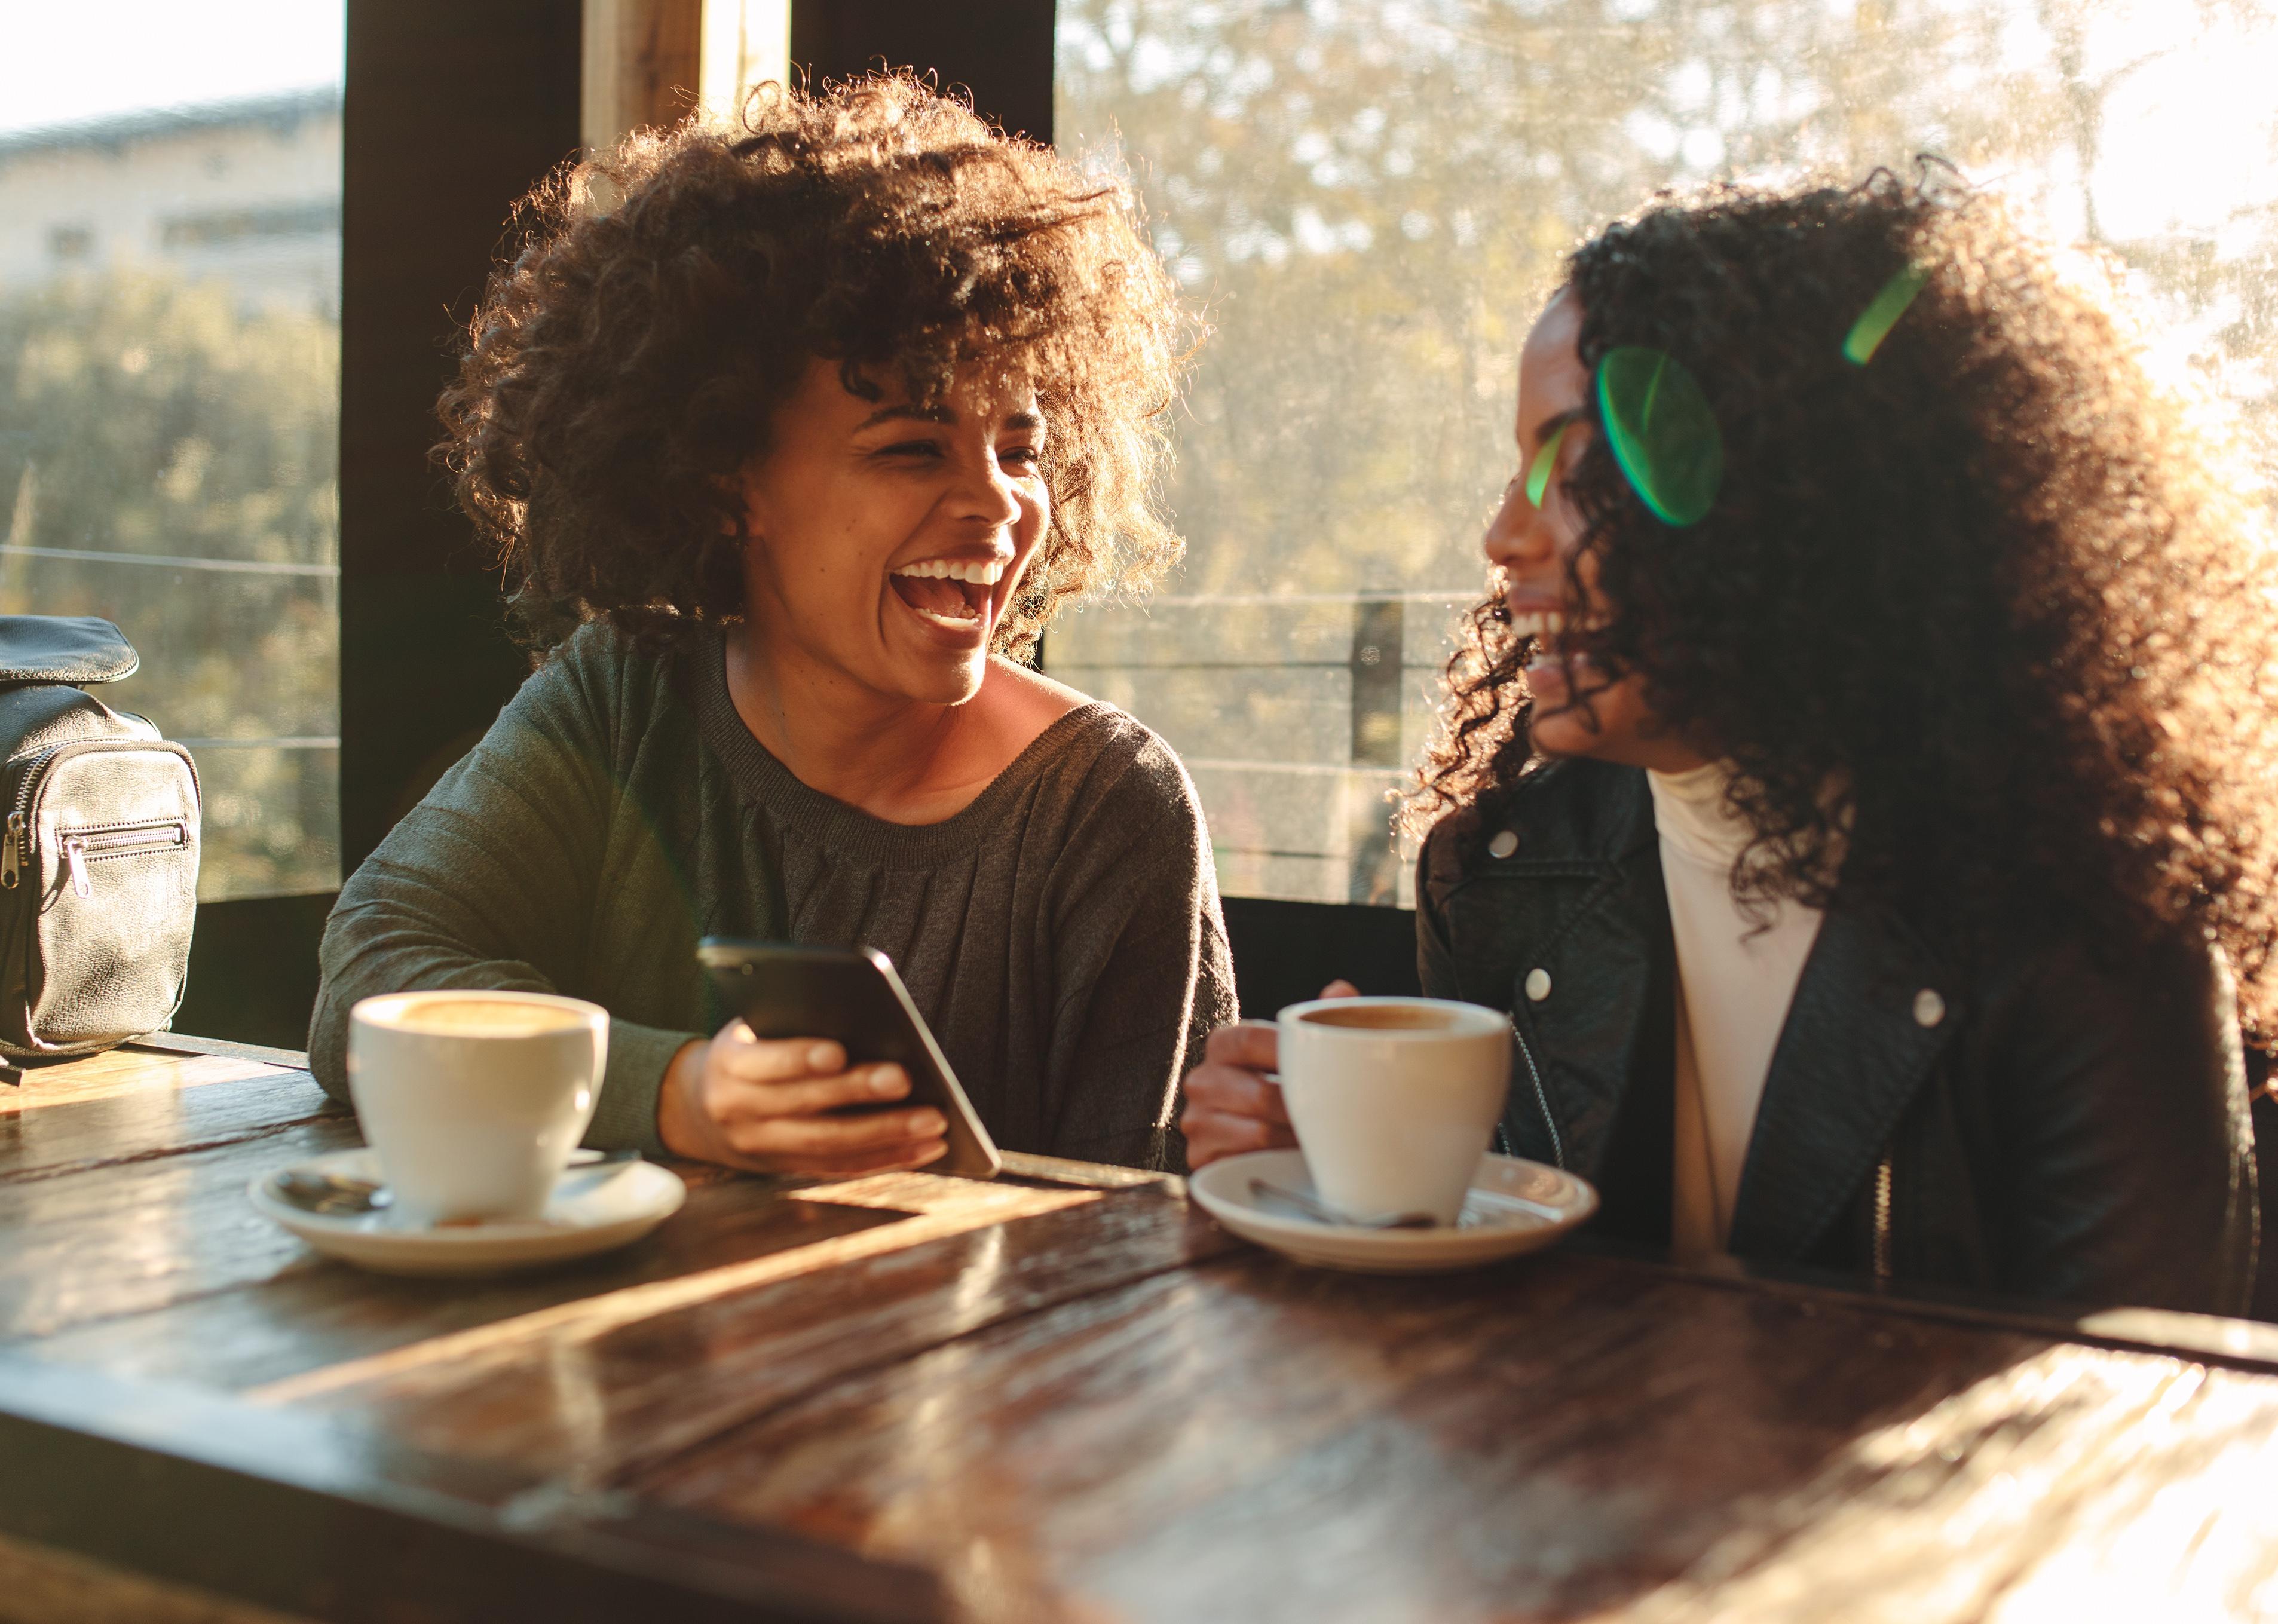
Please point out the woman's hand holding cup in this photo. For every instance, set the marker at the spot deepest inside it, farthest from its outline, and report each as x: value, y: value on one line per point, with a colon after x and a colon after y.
x: 762, y: 1104
x: 1234, y: 1104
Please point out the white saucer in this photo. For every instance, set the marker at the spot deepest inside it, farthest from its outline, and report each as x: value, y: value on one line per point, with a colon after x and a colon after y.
x: 1492, y: 1226
x: 583, y: 1218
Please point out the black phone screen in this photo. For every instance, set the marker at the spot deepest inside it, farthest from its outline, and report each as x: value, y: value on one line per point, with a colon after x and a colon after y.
x: 854, y: 997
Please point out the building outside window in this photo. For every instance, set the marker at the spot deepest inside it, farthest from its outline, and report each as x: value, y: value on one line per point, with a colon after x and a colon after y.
x: 1372, y: 198
x: 170, y: 251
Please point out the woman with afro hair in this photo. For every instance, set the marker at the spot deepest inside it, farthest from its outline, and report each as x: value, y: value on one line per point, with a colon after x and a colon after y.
x: 793, y: 437
x: 1877, y: 847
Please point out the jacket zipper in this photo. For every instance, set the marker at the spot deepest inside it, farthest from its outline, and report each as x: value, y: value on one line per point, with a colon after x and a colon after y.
x: 16, y: 839
x: 79, y: 845
x: 1542, y: 1097
x: 1883, y: 1181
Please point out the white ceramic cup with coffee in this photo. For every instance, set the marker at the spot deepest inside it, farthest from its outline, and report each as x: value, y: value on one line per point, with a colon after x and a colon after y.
x: 1394, y: 1100
x: 473, y: 1100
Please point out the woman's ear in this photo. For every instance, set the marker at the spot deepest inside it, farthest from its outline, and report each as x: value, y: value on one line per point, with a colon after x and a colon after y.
x: 735, y: 516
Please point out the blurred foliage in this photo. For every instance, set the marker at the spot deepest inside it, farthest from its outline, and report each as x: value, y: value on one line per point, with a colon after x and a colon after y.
x: 140, y: 415
x: 1373, y: 196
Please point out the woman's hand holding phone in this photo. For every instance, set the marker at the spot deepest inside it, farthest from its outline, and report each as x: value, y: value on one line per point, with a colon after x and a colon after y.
x: 1233, y: 1104
x: 760, y: 1105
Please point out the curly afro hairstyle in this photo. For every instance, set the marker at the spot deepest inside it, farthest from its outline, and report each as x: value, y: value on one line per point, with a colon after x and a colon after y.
x: 625, y: 365
x: 1983, y: 625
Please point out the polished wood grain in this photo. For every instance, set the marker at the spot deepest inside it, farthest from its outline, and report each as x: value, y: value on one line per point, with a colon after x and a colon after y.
x: 595, y: 1389
x: 130, y: 1104
x: 42, y: 1586
x: 1069, y: 1395
x: 1559, y: 1439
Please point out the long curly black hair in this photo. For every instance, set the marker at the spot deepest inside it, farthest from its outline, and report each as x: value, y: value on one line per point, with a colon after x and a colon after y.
x: 624, y: 368
x: 1984, y: 625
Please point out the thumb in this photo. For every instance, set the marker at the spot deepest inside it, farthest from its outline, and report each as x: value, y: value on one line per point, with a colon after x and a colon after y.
x: 1340, y: 988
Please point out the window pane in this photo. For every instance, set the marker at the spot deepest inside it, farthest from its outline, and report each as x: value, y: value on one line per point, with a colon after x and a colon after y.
x: 1373, y: 197
x: 170, y: 206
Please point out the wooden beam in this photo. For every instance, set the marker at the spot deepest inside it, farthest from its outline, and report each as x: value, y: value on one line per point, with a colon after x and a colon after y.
x: 998, y: 51
x: 746, y: 44
x: 643, y: 65
x: 452, y: 110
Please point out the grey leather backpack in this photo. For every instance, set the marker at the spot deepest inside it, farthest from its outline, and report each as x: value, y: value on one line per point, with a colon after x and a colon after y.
x: 99, y: 853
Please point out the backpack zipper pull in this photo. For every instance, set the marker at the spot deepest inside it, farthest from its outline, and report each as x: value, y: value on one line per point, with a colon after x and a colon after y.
x: 10, y: 847
x: 1885, y: 1188
x: 75, y: 854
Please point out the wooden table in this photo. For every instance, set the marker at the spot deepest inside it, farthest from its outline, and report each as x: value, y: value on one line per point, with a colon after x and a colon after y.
x: 1065, y: 1395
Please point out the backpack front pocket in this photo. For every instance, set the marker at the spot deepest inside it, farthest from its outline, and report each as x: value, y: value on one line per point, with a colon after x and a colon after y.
x: 82, y: 849
x: 104, y: 852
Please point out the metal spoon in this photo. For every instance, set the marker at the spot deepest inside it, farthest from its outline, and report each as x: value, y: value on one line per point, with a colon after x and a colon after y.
x: 328, y: 1194
x: 333, y: 1196
x: 1312, y: 1207
x: 1321, y: 1211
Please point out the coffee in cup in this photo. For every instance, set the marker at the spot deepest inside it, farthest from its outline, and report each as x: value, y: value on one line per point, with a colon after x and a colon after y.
x: 473, y: 1100
x: 1394, y: 1100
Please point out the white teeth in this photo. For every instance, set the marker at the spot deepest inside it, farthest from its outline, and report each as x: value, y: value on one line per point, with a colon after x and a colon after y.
x: 1543, y: 624
x: 942, y: 569
x: 955, y: 622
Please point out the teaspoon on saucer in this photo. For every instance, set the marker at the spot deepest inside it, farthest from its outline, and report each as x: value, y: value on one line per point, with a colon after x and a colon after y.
x: 1314, y: 1208
x: 1321, y: 1212
x: 335, y: 1195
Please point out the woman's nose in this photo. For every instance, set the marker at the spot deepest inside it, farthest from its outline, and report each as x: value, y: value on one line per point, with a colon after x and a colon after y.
x: 1517, y: 534
x: 986, y: 495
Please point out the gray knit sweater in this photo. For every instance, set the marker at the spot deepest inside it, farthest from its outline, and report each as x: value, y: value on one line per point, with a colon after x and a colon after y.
x: 1061, y: 934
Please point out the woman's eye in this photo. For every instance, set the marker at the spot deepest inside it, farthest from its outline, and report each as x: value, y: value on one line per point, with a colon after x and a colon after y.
x: 911, y: 448
x: 1022, y: 456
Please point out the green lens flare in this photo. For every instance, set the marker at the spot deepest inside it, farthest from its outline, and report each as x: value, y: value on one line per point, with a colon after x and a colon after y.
x: 1538, y: 476
x: 1869, y: 332
x: 1663, y: 433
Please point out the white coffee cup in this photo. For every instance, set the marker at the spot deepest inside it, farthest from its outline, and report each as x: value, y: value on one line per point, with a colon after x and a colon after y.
x: 473, y: 1100
x: 1394, y: 1099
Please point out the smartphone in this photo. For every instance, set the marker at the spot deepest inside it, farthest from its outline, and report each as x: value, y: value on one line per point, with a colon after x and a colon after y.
x: 852, y: 996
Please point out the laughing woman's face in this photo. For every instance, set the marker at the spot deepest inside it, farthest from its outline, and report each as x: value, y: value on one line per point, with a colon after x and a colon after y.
x: 1577, y: 711
x: 887, y: 539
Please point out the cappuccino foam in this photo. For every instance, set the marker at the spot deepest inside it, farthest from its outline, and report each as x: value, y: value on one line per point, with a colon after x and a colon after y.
x: 1383, y: 1018
x: 484, y: 1018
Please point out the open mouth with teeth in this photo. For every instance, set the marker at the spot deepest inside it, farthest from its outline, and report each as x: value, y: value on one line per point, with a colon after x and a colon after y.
x: 945, y: 592
x: 1543, y: 626
x: 1545, y: 633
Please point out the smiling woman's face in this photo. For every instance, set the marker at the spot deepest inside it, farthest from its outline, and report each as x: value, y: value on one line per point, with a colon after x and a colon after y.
x: 887, y: 540
x: 1576, y: 712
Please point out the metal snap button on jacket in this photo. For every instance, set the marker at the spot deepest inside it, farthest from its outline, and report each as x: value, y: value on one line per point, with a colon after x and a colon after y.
x: 1503, y: 844
x: 1538, y: 985
x: 1930, y: 1009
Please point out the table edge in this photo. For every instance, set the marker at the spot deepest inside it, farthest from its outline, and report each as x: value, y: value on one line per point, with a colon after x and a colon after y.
x: 149, y: 1478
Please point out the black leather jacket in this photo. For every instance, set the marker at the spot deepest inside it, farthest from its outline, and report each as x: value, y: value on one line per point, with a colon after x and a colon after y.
x: 2046, y: 1126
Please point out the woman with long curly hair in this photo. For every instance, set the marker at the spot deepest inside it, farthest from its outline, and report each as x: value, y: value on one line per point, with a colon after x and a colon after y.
x: 1878, y: 854
x: 792, y: 437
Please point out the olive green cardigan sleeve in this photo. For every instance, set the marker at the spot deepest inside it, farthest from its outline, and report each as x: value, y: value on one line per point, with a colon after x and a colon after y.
x: 505, y: 876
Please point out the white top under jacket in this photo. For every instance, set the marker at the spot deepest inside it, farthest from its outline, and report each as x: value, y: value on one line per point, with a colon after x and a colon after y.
x: 1736, y: 977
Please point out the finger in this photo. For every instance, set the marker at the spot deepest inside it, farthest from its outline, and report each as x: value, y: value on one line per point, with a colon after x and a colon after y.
x: 1235, y: 1092
x: 1340, y: 988
x: 915, y: 1153
x: 809, y: 1137
x: 921, y: 1154
x: 744, y: 1099
x: 1255, y: 1044
x: 760, y: 1060
x: 1210, y: 1135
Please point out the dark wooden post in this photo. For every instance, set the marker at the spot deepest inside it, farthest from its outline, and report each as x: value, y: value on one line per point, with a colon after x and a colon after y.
x: 1001, y: 51
x: 452, y: 110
